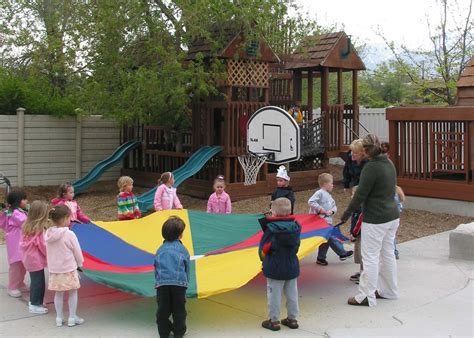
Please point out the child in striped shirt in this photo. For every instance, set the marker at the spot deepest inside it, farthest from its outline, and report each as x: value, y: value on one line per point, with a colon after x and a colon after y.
x: 126, y: 201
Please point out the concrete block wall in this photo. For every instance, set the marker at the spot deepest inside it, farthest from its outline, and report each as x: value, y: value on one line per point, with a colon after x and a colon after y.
x: 45, y: 150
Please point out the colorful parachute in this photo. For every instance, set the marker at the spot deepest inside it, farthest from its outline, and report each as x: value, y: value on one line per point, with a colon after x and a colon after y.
x: 223, y: 250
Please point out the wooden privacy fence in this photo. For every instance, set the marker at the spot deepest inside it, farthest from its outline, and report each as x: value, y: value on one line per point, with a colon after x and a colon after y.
x: 432, y: 149
x: 45, y: 150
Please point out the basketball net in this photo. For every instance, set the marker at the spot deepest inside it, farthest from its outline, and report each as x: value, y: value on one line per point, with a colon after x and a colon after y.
x: 251, y: 164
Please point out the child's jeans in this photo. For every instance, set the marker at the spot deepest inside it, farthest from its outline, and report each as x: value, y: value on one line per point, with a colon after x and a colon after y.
x: 37, y: 287
x: 396, y: 252
x: 171, y: 301
x: 334, y: 243
x: 274, y: 290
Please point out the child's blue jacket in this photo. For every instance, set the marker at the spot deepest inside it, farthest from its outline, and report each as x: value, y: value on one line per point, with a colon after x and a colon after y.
x: 172, y: 264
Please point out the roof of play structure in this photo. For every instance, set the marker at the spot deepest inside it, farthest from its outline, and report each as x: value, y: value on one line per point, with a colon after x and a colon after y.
x: 333, y: 50
x: 467, y: 77
x: 465, y: 94
x: 233, y: 44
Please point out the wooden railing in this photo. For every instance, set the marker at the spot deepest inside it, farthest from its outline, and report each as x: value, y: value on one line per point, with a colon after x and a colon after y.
x: 432, y: 149
x: 340, y: 126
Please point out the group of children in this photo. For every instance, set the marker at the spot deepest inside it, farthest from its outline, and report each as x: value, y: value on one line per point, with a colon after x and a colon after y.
x: 34, y: 244
x: 39, y: 236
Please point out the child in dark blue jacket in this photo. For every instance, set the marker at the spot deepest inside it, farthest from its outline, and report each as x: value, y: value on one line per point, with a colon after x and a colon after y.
x: 171, y: 279
x: 277, y: 250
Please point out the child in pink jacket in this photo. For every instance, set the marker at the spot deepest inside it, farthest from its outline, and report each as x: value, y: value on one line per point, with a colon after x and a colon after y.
x: 33, y: 250
x: 66, y: 197
x: 11, y: 221
x: 219, y: 202
x: 165, y: 196
x: 64, y: 258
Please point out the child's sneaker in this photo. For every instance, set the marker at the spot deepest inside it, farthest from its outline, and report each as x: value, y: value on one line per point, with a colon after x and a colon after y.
x: 321, y: 261
x: 15, y: 293
x: 59, y: 321
x: 346, y: 255
x: 268, y: 324
x: 291, y: 323
x: 37, y: 309
x: 75, y: 321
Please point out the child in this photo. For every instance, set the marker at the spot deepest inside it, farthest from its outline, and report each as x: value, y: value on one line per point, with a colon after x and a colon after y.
x: 64, y: 258
x: 66, y: 197
x: 165, y: 196
x: 295, y: 112
x: 11, y: 221
x: 171, y: 279
x: 385, y: 146
x: 283, y: 189
x: 126, y: 201
x: 33, y: 249
x: 400, y: 199
x: 219, y: 202
x: 322, y: 203
x: 277, y: 250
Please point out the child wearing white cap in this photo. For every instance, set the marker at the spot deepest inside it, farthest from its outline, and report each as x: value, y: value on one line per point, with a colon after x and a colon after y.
x: 283, y: 189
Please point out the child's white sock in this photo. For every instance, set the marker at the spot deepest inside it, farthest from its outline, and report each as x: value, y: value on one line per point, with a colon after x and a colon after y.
x: 58, y: 303
x: 72, y: 303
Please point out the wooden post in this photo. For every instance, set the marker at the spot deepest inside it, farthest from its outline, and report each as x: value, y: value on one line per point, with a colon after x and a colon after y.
x: 392, y: 140
x: 310, y: 96
x: 297, y: 78
x: 355, y: 102
x: 324, y: 89
x: 20, y: 114
x: 78, y: 146
x: 340, y: 98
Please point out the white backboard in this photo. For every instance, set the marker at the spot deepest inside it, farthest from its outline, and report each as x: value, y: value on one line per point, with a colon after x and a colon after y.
x: 272, y: 130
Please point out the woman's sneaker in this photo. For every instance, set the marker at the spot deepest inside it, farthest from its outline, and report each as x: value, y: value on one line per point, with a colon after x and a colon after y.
x: 37, y: 309
x: 75, y: 321
x: 15, y: 293
x: 59, y: 321
x: 355, y: 277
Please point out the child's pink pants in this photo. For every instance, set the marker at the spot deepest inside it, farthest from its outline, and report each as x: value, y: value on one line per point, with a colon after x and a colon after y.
x: 16, y: 276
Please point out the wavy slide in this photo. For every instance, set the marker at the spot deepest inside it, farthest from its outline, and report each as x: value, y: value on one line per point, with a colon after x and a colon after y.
x: 93, y: 175
x: 188, y: 169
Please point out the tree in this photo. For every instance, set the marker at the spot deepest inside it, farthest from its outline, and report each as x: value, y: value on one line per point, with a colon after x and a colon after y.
x: 452, y: 47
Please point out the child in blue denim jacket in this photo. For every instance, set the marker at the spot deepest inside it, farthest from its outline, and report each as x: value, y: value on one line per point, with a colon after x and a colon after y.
x: 171, y: 279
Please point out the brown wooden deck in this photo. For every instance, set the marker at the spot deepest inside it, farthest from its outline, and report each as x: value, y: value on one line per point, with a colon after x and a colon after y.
x: 432, y: 149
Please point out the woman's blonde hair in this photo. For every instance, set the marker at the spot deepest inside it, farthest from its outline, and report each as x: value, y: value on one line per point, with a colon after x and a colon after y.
x: 400, y: 193
x: 357, y: 145
x: 37, y: 220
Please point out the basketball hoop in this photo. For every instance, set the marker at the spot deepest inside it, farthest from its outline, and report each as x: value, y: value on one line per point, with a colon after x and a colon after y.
x: 251, y: 164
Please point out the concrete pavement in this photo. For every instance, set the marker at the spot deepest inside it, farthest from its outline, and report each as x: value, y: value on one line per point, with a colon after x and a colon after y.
x: 436, y: 299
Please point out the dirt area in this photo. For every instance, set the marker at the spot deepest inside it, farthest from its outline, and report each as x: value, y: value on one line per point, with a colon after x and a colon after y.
x: 98, y: 202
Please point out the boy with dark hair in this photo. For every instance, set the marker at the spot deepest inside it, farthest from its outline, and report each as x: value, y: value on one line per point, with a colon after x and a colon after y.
x: 171, y: 279
x: 277, y: 250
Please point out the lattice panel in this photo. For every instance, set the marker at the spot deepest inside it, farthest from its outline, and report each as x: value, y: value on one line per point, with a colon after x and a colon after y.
x: 247, y: 73
x: 448, y: 151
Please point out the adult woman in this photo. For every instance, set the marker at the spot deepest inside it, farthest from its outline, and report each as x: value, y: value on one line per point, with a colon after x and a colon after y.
x: 381, y: 219
x: 354, y: 164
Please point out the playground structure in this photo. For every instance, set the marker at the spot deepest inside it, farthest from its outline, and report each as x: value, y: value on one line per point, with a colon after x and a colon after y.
x: 257, y: 78
x: 432, y: 148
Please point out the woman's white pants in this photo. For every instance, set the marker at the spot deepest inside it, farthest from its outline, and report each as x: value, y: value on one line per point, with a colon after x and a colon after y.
x: 378, y: 258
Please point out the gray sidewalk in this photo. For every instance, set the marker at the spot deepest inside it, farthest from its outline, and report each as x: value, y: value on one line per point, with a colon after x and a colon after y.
x: 437, y: 297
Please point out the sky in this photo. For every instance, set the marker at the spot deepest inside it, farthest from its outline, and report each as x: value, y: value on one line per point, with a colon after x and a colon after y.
x: 403, y: 21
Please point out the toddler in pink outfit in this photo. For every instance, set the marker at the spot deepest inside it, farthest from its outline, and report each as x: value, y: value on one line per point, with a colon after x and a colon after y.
x: 33, y: 249
x: 11, y: 221
x: 64, y: 258
x: 219, y: 202
x: 165, y: 196
x: 66, y: 197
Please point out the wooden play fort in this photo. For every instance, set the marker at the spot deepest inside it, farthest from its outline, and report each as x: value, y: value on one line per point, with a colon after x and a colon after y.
x: 257, y: 77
